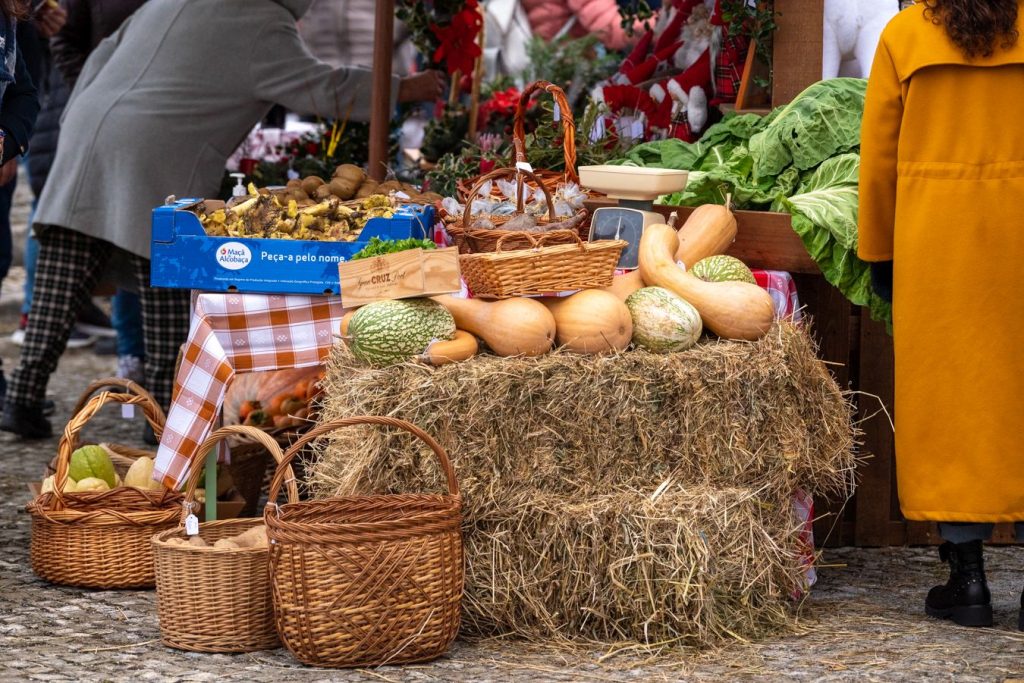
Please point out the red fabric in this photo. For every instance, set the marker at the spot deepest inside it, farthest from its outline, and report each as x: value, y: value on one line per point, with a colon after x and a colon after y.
x: 729, y: 69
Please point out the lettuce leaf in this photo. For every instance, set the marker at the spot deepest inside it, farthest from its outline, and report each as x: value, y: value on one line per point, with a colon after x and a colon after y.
x: 821, y: 122
x: 824, y: 211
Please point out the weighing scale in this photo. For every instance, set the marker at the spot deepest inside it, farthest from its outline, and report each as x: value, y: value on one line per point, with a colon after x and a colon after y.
x: 636, y: 188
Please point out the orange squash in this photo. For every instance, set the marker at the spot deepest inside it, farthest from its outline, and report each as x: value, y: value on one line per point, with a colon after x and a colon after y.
x: 708, y: 231
x: 510, y: 327
x: 462, y: 346
x: 732, y: 310
x: 625, y: 284
x: 591, y: 321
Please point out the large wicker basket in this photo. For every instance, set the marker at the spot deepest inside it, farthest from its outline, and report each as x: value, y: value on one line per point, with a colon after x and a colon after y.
x: 99, y: 539
x: 475, y: 240
x: 216, y: 599
x: 367, y: 580
x: 544, y: 178
x: 541, y: 269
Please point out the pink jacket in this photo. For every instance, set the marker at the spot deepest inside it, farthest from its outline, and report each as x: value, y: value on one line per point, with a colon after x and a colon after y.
x: 598, y: 17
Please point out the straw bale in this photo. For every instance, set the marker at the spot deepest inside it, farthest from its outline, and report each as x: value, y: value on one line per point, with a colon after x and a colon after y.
x: 631, y: 496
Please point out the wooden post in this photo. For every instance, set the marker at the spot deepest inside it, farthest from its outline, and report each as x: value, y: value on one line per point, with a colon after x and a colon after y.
x: 380, y: 107
x: 797, y: 48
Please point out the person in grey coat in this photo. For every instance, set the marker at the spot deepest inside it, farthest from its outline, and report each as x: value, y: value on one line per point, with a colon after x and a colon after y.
x: 157, y: 110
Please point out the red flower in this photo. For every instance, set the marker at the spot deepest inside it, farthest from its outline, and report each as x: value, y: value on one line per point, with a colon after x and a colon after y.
x: 312, y: 148
x: 502, y: 104
x: 458, y: 49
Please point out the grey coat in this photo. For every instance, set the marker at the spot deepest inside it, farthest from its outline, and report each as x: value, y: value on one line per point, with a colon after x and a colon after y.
x: 163, y: 102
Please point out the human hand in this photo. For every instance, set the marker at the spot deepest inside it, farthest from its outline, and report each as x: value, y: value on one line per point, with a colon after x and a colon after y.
x: 50, y: 19
x: 422, y: 87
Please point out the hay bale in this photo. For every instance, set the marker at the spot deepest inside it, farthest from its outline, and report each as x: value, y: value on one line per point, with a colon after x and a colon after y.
x: 687, y: 567
x: 559, y: 456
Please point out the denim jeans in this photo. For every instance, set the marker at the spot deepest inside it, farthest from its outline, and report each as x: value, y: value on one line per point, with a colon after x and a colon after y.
x: 126, y: 317
x: 31, y: 254
x: 965, y: 532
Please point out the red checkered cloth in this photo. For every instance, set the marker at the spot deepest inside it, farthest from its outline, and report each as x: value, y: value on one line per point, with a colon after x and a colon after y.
x: 233, y: 333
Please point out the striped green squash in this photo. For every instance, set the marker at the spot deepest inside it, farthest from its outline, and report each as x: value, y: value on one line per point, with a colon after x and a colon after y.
x: 722, y: 268
x: 662, y: 321
x: 388, y: 332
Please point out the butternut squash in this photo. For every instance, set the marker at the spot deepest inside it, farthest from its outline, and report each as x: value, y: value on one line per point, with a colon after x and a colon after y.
x: 510, y: 327
x: 732, y: 310
x: 462, y: 346
x: 591, y: 321
x: 708, y: 231
x: 625, y: 284
x: 345, y: 320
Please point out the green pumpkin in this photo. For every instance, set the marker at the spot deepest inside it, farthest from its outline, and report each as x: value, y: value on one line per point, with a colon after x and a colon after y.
x: 662, y: 321
x: 389, y: 332
x: 722, y: 269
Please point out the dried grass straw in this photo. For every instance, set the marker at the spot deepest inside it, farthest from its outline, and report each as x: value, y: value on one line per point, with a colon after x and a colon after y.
x: 621, y: 498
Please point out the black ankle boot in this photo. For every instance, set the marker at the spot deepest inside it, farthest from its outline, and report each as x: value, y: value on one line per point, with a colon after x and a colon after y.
x: 26, y: 420
x: 965, y: 598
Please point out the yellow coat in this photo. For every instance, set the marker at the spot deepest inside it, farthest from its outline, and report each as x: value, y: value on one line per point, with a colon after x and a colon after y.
x: 942, y: 195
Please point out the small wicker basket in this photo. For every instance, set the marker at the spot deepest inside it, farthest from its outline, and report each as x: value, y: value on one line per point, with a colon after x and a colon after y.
x: 216, y: 599
x: 549, y: 180
x: 541, y: 269
x: 472, y: 240
x: 366, y: 580
x: 99, y: 539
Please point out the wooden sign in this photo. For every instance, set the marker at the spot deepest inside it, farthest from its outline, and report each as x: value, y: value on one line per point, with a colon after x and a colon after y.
x: 406, y: 274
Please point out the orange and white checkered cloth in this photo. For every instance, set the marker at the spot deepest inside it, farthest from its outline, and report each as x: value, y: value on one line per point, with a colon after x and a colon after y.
x: 233, y: 333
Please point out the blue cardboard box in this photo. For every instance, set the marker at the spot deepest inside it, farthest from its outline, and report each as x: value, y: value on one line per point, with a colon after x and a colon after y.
x: 185, y: 257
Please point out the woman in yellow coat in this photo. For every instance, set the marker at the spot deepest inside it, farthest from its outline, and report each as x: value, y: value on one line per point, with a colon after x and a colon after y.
x: 942, y: 202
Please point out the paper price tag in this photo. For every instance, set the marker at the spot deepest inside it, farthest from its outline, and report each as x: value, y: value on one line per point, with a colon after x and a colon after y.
x: 127, y: 411
x: 524, y: 166
x: 192, y: 525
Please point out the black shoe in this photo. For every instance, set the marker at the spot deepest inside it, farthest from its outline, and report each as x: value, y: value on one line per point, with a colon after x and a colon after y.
x: 92, y: 320
x: 148, y: 436
x: 1020, y: 615
x: 965, y: 599
x: 27, y: 421
x: 49, y: 408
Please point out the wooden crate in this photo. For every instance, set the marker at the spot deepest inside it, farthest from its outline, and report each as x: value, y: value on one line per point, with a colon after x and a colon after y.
x: 405, y: 274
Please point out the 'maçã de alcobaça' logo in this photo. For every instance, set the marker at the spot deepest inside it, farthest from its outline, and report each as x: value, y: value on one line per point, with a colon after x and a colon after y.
x: 233, y: 256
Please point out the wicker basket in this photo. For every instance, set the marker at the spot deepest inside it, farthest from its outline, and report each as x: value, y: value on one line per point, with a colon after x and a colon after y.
x: 101, y: 539
x: 367, y: 580
x: 546, y: 179
x: 472, y: 240
x: 216, y: 599
x: 541, y: 269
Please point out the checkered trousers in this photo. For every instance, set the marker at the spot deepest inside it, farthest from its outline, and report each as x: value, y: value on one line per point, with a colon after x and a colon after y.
x: 69, y: 267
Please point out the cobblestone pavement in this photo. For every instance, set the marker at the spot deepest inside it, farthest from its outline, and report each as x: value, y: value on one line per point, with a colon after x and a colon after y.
x: 863, y: 621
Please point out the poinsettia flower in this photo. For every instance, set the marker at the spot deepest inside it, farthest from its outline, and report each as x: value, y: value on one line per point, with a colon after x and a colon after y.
x: 458, y: 49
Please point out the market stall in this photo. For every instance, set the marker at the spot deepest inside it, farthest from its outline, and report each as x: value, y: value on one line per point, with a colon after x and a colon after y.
x: 570, y: 392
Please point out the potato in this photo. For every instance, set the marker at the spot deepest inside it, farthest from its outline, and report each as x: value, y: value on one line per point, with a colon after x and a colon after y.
x: 310, y: 184
x: 389, y: 186
x: 225, y: 543
x: 197, y: 541
x: 367, y: 189
x: 343, y: 189
x: 323, y: 192
x: 350, y: 172
x: 294, y: 184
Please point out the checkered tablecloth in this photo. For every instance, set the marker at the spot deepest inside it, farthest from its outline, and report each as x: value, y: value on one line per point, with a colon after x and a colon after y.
x: 233, y: 333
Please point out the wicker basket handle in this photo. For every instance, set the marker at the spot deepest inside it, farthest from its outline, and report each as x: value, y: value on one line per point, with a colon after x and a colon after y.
x: 127, y: 384
x: 467, y: 215
x: 568, y: 126
x: 320, y: 430
x: 251, y: 433
x: 536, y: 242
x: 70, y: 437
